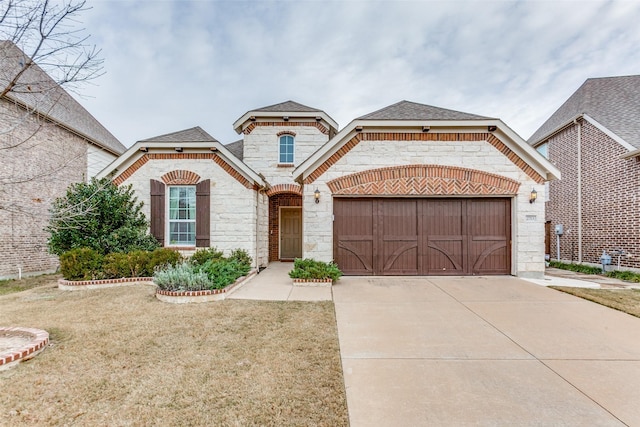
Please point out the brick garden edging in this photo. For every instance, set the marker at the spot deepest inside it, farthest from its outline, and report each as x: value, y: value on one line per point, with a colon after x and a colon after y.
x: 73, y: 285
x: 313, y: 282
x: 185, y: 297
x: 38, y: 343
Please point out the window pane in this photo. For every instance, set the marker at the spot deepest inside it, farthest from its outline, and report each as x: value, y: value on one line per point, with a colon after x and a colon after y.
x: 182, y: 215
x: 286, y: 149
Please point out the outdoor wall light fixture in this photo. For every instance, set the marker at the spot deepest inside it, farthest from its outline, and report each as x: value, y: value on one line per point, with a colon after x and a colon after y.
x: 316, y: 195
x: 533, y: 196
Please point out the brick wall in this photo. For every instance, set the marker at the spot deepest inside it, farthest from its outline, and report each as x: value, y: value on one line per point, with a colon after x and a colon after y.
x: 43, y: 162
x: 610, y: 196
x: 275, y: 202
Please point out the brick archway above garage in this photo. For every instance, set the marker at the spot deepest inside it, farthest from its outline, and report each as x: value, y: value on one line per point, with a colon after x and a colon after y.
x: 424, y: 180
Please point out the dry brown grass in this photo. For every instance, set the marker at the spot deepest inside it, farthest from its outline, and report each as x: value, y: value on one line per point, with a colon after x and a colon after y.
x: 14, y: 285
x: 627, y: 300
x: 120, y: 357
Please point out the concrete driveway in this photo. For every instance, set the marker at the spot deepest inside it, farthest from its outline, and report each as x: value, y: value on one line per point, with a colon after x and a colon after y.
x: 483, y: 351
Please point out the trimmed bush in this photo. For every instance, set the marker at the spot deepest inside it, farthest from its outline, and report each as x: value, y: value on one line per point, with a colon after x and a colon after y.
x: 81, y: 264
x: 627, y: 276
x: 312, y: 269
x: 162, y: 257
x: 578, y: 268
x: 201, y: 256
x: 242, y: 257
x: 223, y: 272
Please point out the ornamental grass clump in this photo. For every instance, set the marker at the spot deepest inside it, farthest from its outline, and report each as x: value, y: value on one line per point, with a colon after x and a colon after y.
x: 310, y: 269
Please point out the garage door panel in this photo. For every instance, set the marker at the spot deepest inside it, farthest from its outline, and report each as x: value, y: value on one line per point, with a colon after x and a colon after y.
x: 423, y: 236
x: 399, y: 228
x: 445, y: 256
x: 354, y: 236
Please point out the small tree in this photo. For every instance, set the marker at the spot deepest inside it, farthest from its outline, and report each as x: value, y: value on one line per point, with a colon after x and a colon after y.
x: 101, y: 216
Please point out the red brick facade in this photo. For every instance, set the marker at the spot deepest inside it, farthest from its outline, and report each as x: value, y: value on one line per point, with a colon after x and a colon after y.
x: 275, y: 202
x: 292, y: 123
x: 43, y: 161
x: 610, y: 196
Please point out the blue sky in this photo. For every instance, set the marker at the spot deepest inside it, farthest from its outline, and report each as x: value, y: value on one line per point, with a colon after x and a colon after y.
x: 172, y: 65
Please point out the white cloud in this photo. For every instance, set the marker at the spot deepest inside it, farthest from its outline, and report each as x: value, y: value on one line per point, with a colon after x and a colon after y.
x: 177, y: 64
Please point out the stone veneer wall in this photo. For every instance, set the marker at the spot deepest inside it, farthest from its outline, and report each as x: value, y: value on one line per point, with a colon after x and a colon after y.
x: 233, y: 207
x: 32, y: 175
x: 261, y: 148
x: 528, y: 218
x: 610, y: 196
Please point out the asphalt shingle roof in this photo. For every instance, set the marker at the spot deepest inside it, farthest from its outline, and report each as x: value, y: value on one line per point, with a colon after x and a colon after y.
x: 236, y: 148
x: 195, y: 134
x: 614, y: 102
x: 407, y: 110
x: 39, y: 92
x: 287, y: 107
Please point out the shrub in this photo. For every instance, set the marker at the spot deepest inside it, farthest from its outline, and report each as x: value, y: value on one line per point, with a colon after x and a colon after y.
x: 181, y: 277
x: 115, y: 266
x: 579, y: 268
x: 628, y: 276
x: 312, y: 269
x: 101, y: 216
x: 81, y: 264
x: 241, y: 256
x: 162, y: 257
x: 201, y: 256
x: 223, y: 272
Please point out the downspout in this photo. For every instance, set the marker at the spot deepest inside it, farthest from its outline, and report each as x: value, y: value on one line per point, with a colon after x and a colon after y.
x: 579, y: 159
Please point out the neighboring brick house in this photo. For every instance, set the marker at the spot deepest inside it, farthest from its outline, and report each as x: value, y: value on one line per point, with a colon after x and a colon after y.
x: 47, y: 141
x: 407, y: 190
x: 594, y: 139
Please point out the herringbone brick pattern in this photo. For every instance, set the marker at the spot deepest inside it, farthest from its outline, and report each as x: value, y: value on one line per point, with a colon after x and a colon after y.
x: 423, y: 180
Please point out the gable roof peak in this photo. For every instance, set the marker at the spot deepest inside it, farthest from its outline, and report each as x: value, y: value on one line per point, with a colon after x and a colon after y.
x: 408, y: 110
x: 194, y: 134
x: 286, y: 107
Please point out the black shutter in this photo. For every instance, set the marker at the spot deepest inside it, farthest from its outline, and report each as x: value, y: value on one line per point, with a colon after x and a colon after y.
x: 203, y: 219
x: 157, y: 210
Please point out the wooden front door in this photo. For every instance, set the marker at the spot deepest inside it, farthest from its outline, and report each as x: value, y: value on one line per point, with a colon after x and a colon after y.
x: 290, y: 233
x: 422, y: 236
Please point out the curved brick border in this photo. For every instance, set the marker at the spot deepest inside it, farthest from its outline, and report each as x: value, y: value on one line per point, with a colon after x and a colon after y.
x: 180, y: 177
x: 73, y: 285
x: 184, y: 297
x: 313, y: 282
x: 38, y: 343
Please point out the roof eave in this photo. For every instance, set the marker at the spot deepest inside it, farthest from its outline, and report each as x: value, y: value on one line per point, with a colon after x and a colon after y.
x: 238, y: 124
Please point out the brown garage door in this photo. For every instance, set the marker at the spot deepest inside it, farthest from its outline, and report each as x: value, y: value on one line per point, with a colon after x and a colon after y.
x: 422, y: 236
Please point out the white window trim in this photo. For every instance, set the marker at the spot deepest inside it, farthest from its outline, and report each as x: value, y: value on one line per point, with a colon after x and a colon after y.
x: 293, y: 155
x: 168, y: 220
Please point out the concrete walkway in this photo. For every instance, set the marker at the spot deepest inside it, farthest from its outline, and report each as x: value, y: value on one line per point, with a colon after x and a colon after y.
x: 274, y: 284
x: 496, y: 351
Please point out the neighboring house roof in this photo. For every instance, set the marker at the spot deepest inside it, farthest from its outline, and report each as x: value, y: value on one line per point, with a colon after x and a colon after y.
x: 193, y: 139
x: 36, y: 90
x: 237, y: 148
x: 410, y: 116
x: 613, y: 102
x: 284, y: 109
x: 407, y: 110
